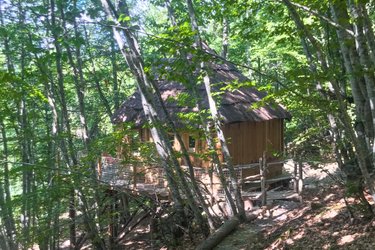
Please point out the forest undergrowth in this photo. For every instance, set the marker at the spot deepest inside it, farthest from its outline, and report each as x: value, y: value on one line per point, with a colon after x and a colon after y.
x: 322, y: 221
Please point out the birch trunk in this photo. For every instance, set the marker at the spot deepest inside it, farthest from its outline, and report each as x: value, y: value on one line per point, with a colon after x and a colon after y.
x: 163, y: 146
x: 79, y: 82
x: 68, y: 150
x: 355, y: 74
x: 194, y: 92
x: 225, y: 39
x: 6, y: 199
x: 216, y: 119
x: 185, y: 185
x: 7, y: 213
x: 96, y: 79
x: 367, y: 66
x: 368, y: 29
x: 357, y: 143
x: 24, y: 137
x: 116, y: 99
x: 206, y: 128
x: 195, y: 95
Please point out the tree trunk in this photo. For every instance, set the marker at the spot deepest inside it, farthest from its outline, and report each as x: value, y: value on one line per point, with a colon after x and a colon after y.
x: 225, y: 42
x: 194, y: 92
x: 357, y: 143
x: 7, y: 210
x: 116, y: 99
x: 216, y: 119
x: 65, y: 126
x: 24, y: 137
x: 367, y: 29
x: 96, y: 79
x: 6, y: 200
x: 163, y: 146
x: 218, y: 236
x: 79, y: 81
x: 367, y: 66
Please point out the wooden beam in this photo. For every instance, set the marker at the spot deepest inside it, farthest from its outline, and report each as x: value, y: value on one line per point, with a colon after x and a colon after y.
x: 262, y: 171
x: 300, y: 180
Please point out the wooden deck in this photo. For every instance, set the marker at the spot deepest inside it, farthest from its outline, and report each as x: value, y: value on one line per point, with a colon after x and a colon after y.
x: 152, y: 181
x: 272, y: 195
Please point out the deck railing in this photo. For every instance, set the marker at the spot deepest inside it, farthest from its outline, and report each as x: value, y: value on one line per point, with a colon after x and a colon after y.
x: 113, y: 172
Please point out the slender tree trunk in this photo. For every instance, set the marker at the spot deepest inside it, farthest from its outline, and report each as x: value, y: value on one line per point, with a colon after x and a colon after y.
x: 51, y: 240
x: 193, y: 180
x: 211, y: 145
x: 171, y: 14
x: 7, y: 52
x: 96, y: 79
x: 359, y: 146
x: 208, y: 135
x: 368, y: 29
x: 225, y: 151
x: 78, y: 78
x: 65, y: 126
x: 354, y: 72
x: 216, y: 119
x: 367, y: 66
x: 69, y: 151
x: 331, y: 118
x: 194, y: 92
x: 116, y: 99
x: 24, y: 140
x: 225, y: 42
x: 53, y: 218
x: 217, y: 165
x: 6, y: 199
x: 163, y: 146
x: 7, y: 212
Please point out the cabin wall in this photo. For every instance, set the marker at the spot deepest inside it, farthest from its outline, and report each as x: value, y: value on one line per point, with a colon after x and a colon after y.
x: 246, y: 141
x: 145, y: 134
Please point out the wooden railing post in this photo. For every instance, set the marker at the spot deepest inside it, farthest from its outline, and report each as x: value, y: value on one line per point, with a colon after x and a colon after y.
x: 134, y: 176
x: 300, y: 180
x: 296, y: 179
x: 100, y: 166
x: 262, y: 172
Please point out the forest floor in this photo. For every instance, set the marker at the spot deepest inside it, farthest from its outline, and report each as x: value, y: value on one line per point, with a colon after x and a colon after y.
x: 321, y: 221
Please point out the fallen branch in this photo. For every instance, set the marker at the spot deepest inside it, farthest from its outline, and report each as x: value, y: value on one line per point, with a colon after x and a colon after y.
x: 128, y: 229
x: 215, y: 238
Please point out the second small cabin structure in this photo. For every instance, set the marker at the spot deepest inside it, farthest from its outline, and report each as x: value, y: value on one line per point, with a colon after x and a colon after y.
x: 249, y: 131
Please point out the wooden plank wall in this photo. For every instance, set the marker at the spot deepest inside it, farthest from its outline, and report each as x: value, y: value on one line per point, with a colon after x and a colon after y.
x: 246, y: 141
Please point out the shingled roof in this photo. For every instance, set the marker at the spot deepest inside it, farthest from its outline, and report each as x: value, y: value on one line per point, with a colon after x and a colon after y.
x: 235, y: 106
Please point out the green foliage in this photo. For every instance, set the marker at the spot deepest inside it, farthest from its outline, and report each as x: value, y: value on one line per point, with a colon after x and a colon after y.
x: 124, y: 18
x: 263, y: 42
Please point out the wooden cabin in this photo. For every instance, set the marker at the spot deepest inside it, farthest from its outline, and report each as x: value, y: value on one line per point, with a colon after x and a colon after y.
x: 250, y: 132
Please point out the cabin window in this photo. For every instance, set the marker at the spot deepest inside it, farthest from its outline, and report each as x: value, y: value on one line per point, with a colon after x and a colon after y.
x: 142, y: 135
x: 191, y: 143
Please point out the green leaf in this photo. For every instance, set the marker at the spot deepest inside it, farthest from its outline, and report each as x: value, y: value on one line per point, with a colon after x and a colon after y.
x: 124, y: 18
